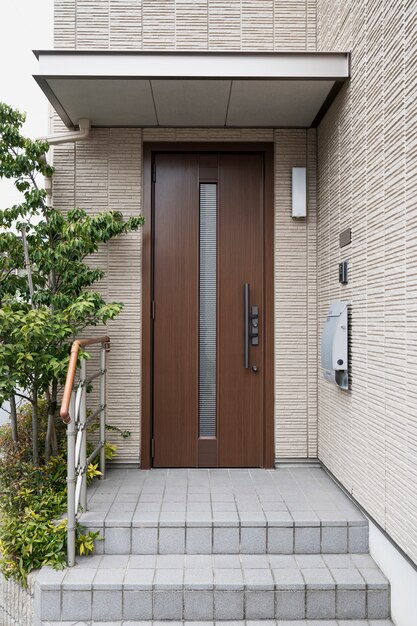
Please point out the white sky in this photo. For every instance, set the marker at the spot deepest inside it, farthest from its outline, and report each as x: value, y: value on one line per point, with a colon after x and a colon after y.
x: 25, y: 25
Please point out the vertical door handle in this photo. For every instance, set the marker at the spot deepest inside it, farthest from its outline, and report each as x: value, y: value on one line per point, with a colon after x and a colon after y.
x: 246, y: 324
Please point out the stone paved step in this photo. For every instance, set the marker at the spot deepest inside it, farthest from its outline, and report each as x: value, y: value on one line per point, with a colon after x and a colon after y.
x: 224, y: 511
x: 371, y: 622
x: 288, y: 535
x: 220, y: 587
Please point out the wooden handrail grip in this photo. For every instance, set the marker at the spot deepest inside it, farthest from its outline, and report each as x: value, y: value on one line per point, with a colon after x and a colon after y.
x: 72, y: 368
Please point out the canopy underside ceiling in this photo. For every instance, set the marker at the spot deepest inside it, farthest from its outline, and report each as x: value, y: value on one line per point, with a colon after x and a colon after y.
x: 190, y: 90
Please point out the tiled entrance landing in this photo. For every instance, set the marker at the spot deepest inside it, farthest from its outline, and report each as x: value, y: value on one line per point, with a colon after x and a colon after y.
x: 198, y: 511
x: 215, y: 547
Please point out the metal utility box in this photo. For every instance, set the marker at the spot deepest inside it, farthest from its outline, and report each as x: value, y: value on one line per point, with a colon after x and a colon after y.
x: 334, y: 345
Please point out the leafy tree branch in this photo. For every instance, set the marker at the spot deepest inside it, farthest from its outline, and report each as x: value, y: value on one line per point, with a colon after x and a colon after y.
x: 47, y: 283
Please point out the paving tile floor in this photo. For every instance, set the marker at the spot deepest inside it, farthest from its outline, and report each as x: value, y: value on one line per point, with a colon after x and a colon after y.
x: 237, y: 571
x: 170, y: 497
x: 232, y: 623
x: 213, y: 536
x: 230, y: 587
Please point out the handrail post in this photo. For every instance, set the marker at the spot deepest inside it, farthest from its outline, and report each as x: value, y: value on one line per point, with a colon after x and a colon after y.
x: 83, y: 428
x: 74, y: 413
x: 71, y: 434
x: 103, y: 364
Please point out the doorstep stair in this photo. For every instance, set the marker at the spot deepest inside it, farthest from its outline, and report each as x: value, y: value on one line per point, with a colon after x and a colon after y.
x: 308, y: 622
x: 224, y: 511
x: 216, y: 587
x: 288, y: 535
x: 242, y: 547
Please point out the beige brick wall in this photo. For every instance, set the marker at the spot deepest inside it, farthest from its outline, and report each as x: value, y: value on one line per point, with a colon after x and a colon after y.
x: 100, y: 174
x: 108, y: 175
x: 105, y: 172
x: 367, y: 179
x: 295, y: 301
x: 186, y: 24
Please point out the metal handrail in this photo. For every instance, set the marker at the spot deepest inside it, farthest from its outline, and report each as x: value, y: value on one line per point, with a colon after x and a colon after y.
x: 72, y: 368
x: 74, y: 414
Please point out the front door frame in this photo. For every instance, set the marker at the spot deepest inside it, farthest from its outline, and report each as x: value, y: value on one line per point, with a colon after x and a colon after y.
x: 149, y: 148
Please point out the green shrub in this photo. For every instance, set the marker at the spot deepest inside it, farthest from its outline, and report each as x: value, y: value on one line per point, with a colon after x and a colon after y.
x: 33, y: 501
x: 31, y: 532
x: 23, y: 450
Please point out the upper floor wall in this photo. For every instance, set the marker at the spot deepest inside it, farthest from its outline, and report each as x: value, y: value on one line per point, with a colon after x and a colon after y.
x: 267, y: 25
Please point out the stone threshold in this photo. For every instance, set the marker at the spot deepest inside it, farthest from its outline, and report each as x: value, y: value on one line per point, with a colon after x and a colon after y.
x: 284, y: 511
x: 229, y: 623
x: 206, y: 587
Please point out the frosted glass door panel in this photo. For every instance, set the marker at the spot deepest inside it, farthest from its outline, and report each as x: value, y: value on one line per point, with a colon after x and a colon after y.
x: 208, y: 308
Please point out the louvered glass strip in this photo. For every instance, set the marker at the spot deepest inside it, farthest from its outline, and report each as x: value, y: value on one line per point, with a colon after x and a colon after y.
x: 207, y: 377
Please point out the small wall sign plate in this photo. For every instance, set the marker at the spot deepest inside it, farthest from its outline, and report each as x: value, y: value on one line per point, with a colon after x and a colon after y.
x: 345, y: 237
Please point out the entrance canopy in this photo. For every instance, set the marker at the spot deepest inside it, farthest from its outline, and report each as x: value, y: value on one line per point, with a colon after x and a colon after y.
x: 191, y: 89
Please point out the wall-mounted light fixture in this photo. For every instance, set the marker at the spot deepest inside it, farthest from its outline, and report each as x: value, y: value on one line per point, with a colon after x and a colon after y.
x: 299, y: 192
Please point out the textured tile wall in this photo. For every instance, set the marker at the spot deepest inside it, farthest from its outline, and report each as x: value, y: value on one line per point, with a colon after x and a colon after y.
x: 295, y: 302
x: 96, y: 175
x: 105, y: 172
x: 367, y: 179
x: 186, y: 24
x: 212, y: 134
x: 108, y: 175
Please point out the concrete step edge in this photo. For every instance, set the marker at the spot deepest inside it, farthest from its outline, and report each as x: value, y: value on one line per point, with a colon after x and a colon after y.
x: 231, y: 539
x: 226, y: 587
x: 265, y: 622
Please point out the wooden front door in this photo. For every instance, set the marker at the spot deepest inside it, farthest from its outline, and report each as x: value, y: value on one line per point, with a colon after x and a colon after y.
x: 208, y: 309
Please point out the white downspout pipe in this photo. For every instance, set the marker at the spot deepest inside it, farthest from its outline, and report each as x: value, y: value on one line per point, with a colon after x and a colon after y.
x: 76, y: 135
x: 55, y: 140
